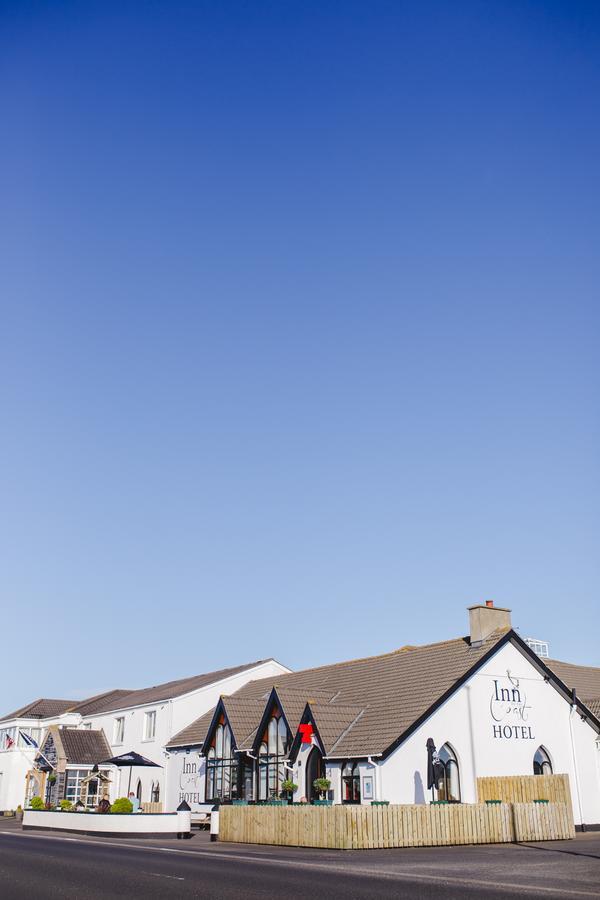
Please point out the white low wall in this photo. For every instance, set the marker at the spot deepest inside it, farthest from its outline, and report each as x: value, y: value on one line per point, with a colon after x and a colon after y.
x: 114, y: 824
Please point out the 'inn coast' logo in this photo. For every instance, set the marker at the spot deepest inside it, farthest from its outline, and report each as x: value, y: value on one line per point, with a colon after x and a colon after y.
x: 510, y: 712
x: 189, y: 782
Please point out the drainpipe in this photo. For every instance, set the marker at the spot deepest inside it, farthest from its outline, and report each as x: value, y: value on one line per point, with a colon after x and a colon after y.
x: 571, y: 712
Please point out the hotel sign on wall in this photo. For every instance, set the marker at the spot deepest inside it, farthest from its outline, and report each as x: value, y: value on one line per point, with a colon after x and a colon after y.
x: 510, y: 711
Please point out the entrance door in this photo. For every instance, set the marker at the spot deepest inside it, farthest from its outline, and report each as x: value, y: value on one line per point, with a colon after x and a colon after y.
x: 315, y: 768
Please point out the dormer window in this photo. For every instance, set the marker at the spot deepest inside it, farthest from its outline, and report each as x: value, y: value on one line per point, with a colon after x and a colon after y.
x: 272, y: 753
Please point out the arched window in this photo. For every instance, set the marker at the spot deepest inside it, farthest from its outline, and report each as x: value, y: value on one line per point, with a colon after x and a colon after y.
x: 272, y: 753
x: 210, y: 774
x: 155, y: 793
x: 138, y: 790
x: 221, y: 766
x: 351, y: 783
x: 449, y: 783
x: 541, y: 762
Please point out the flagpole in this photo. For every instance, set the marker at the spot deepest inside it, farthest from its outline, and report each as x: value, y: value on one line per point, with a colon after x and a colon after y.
x: 37, y: 749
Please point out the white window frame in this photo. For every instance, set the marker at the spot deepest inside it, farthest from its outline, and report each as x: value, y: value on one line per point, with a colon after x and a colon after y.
x: 119, y: 730
x: 149, y: 732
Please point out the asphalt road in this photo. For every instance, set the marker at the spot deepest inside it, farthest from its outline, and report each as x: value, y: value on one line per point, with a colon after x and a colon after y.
x: 47, y: 866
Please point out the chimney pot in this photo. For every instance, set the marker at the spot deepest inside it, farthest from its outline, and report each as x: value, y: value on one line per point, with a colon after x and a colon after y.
x: 489, y: 603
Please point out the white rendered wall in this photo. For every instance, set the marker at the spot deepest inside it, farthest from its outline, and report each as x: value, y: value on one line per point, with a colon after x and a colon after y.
x: 171, y: 717
x: 111, y: 824
x: 466, y: 721
x: 185, y: 776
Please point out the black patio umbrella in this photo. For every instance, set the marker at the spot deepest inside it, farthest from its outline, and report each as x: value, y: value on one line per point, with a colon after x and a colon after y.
x: 434, y: 766
x: 129, y: 760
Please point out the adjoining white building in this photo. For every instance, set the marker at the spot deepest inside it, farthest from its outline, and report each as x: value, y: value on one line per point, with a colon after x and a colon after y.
x: 491, y: 705
x: 17, y: 753
x: 142, y: 720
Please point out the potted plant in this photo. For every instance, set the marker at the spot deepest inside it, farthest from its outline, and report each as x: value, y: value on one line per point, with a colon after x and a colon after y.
x: 287, y: 789
x: 52, y: 779
x: 66, y: 805
x: 37, y: 803
x: 322, y: 785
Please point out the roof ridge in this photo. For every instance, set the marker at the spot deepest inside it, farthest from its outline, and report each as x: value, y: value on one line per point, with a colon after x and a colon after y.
x: 346, y: 662
x: 563, y: 662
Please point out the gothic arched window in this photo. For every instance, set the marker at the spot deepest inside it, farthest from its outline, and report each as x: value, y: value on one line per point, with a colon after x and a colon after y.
x: 541, y: 762
x: 221, y: 766
x: 449, y: 783
x: 271, y: 758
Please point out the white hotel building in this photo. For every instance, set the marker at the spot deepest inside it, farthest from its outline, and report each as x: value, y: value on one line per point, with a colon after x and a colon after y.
x: 491, y: 705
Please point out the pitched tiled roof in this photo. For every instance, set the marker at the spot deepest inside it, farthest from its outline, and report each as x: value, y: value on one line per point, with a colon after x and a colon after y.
x: 333, y: 721
x: 585, y: 679
x: 593, y: 705
x: 372, y: 701
x: 99, y: 703
x: 84, y: 747
x: 40, y: 709
x: 171, y: 689
x: 252, y: 696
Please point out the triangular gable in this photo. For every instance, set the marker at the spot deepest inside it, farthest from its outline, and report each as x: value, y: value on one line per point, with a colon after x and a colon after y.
x: 511, y: 637
x: 50, y: 751
x: 217, y: 715
x: 308, y: 718
x: 273, y: 702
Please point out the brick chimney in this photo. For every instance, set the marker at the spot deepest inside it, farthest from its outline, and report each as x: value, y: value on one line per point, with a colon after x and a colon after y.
x: 484, y: 619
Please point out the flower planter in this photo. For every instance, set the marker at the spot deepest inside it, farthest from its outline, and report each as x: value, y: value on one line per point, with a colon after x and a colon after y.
x: 380, y: 802
x: 239, y: 803
x: 493, y: 802
x: 322, y: 802
x: 276, y: 803
x: 541, y: 801
x: 438, y: 802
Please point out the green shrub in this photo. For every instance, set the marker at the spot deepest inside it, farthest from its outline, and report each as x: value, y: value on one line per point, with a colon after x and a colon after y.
x: 37, y: 803
x: 122, y: 805
x: 66, y: 805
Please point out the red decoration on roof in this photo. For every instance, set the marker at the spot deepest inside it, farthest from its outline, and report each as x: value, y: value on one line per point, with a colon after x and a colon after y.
x: 307, y: 732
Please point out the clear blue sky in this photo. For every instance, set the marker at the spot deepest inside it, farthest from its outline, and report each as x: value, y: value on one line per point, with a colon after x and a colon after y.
x: 300, y: 330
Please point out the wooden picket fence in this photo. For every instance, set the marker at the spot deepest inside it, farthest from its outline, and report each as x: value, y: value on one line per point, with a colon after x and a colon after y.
x: 525, y: 789
x: 152, y: 806
x: 370, y: 827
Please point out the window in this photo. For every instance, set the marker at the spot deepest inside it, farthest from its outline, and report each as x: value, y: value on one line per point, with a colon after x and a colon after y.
x: 150, y: 725
x: 221, y: 767
x: 74, y: 779
x: 7, y: 738
x: 351, y: 783
x: 271, y: 756
x: 155, y: 793
x: 449, y: 783
x: 541, y: 762
x: 119, y: 730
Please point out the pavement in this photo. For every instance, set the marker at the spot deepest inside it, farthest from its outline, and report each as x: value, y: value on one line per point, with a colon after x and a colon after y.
x: 48, y: 865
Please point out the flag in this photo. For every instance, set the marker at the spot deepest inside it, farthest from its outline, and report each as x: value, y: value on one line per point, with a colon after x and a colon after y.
x: 9, y: 742
x: 29, y: 741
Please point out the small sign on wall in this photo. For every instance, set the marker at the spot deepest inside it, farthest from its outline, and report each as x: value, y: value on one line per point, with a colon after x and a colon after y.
x: 367, y: 787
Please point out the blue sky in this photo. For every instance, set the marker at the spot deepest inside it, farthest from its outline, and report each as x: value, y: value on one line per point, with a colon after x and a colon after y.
x: 300, y: 323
